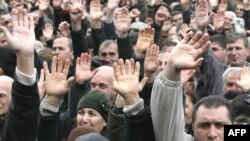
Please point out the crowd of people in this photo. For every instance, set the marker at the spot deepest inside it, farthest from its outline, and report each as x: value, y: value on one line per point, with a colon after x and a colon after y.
x: 123, y: 70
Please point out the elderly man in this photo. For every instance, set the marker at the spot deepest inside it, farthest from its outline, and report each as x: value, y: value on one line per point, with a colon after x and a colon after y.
x: 108, y: 52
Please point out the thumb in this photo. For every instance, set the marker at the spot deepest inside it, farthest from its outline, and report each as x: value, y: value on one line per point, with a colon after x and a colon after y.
x: 142, y: 83
x: 70, y: 81
x: 6, y: 32
x: 197, y: 63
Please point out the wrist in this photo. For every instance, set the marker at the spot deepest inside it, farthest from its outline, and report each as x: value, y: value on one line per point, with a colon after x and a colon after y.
x: 132, y: 99
x: 52, y: 100
x: 122, y: 34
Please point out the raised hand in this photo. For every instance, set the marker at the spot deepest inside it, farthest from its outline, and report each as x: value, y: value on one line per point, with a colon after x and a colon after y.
x: 22, y: 39
x: 222, y: 6
x: 186, y: 75
x: 126, y: 80
x: 95, y: 10
x: 40, y: 85
x: 218, y: 21
x: 57, y: 3
x: 23, y: 31
x: 48, y: 31
x: 184, y: 29
x: 201, y: 14
x: 145, y: 39
x: 186, y: 55
x: 83, y: 69
x: 56, y: 83
x: 44, y: 5
x: 63, y: 29
x: 151, y: 61
x: 122, y: 21
x: 112, y: 4
x: 76, y: 14
x: 134, y: 13
x: 244, y: 82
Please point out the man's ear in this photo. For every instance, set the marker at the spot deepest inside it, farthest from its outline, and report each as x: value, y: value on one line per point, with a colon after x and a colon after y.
x: 1, y: 71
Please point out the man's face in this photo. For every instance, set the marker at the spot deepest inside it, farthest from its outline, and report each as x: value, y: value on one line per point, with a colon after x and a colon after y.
x: 163, y: 58
x: 236, y: 53
x: 5, y: 94
x: 102, y: 81
x: 178, y: 19
x: 163, y: 14
x: 228, y: 21
x: 109, y: 55
x: 61, y: 48
x: 239, y: 10
x: 218, y: 51
x: 6, y: 21
x: 209, y: 123
x: 230, y: 83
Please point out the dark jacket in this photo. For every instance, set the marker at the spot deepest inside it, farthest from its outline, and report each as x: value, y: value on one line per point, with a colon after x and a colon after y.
x: 22, y: 119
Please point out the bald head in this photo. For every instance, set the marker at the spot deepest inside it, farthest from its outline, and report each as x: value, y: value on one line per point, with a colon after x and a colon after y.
x: 5, y: 94
x: 102, y: 81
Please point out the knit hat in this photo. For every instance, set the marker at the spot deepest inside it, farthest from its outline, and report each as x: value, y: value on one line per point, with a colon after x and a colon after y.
x: 95, y: 100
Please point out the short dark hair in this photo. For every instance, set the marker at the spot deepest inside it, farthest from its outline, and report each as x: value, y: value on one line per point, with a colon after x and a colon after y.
x: 220, y: 39
x: 211, y: 102
x: 231, y: 38
x: 176, y: 13
x: 167, y: 42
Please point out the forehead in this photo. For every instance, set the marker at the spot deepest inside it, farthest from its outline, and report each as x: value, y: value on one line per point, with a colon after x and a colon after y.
x: 236, y: 43
x: 216, y: 45
x: 61, y: 42
x: 232, y: 76
x: 111, y: 47
x: 102, y: 77
x: 212, y: 115
x: 164, y: 56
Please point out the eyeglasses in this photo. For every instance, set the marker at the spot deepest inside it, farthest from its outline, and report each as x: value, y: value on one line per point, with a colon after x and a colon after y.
x: 247, y: 99
x: 105, y: 54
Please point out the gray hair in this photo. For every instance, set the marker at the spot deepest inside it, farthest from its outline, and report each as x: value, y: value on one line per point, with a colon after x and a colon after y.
x: 234, y: 70
x: 106, y: 43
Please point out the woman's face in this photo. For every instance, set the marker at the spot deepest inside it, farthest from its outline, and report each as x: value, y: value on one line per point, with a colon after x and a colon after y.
x: 90, y: 117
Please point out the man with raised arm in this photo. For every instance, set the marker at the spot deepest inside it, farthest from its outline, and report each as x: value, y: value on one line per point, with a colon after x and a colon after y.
x: 209, y: 115
x: 22, y: 117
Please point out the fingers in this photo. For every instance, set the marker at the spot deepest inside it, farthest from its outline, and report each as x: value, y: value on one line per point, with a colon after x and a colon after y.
x: 54, y: 64
x: 187, y: 38
x: 41, y: 79
x: 70, y: 81
x: 122, y: 66
x: 204, y: 38
x: 14, y: 16
x: 66, y: 67
x: 203, y: 48
x: 195, y: 38
x: 142, y: 83
x: 128, y: 67
x: 46, y: 69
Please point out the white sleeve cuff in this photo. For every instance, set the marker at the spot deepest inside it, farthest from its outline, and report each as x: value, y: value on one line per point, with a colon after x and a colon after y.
x: 132, y: 110
x: 46, y: 109
x: 24, y: 79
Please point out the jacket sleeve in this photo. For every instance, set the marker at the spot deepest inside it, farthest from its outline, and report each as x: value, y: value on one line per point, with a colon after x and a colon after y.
x: 116, y: 129
x: 109, y: 30
x: 125, y: 48
x: 79, y: 43
x: 167, y: 110
x: 140, y: 127
x: 76, y: 92
x: 98, y: 37
x: 211, y: 73
x: 22, y: 118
